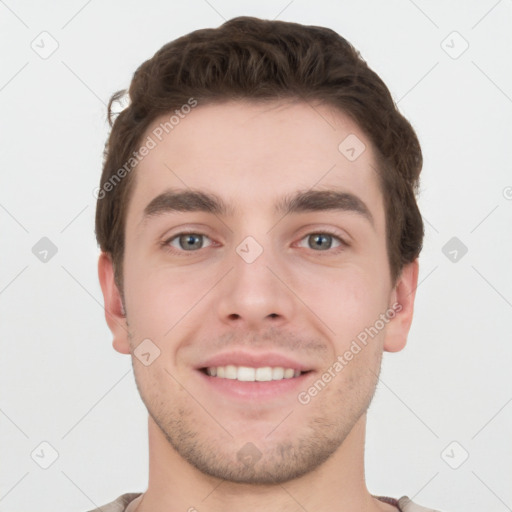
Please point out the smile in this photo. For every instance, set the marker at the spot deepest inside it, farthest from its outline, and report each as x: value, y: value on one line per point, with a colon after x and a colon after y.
x: 248, y: 374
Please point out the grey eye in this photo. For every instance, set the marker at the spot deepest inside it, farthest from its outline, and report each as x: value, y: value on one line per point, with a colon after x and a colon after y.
x: 188, y: 241
x: 321, y: 241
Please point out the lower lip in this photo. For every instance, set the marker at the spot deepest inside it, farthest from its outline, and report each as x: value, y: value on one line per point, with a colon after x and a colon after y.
x: 257, y: 389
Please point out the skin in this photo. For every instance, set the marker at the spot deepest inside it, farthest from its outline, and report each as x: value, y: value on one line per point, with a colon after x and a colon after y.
x: 294, y: 299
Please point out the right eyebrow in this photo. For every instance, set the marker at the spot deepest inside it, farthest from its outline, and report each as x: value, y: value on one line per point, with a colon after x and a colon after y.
x: 186, y: 201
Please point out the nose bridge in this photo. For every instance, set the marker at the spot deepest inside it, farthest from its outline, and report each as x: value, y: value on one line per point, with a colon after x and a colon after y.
x: 252, y: 294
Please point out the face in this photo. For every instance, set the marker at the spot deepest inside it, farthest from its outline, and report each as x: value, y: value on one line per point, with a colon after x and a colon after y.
x: 255, y: 250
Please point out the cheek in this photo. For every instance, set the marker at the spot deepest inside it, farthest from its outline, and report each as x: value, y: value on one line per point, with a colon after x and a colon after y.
x: 350, y: 292
x: 347, y: 300
x: 160, y: 299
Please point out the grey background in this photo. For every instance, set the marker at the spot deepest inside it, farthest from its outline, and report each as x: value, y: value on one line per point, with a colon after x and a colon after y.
x: 61, y: 381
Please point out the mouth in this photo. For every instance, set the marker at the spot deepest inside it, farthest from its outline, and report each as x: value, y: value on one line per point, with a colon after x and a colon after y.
x: 250, y: 374
x: 264, y: 377
x: 269, y: 386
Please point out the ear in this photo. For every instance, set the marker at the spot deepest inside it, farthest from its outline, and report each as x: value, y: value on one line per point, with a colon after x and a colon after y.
x: 114, y: 312
x: 402, y: 296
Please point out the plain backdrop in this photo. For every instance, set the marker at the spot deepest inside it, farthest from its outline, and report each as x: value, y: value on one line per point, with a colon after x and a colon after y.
x: 439, y: 427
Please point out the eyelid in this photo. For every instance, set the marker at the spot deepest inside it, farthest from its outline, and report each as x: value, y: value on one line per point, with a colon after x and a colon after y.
x: 315, y: 229
x: 331, y: 232
x: 189, y: 229
x: 165, y: 243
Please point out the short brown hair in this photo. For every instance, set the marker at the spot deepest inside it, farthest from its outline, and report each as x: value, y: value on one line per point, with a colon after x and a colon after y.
x: 259, y: 60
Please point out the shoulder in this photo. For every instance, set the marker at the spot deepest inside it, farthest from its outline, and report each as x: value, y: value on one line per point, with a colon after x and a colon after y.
x: 118, y: 505
x: 407, y: 505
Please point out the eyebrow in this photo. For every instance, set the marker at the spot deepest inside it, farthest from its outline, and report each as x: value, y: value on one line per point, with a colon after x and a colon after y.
x: 300, y: 202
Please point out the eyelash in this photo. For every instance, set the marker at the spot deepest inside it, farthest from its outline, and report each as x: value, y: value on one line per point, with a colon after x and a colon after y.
x: 181, y: 252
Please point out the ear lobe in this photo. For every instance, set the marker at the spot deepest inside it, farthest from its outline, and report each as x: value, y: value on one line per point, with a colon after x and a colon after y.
x: 403, y: 294
x: 114, y: 311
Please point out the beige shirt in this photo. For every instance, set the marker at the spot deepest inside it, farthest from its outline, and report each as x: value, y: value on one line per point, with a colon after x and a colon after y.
x: 127, y: 503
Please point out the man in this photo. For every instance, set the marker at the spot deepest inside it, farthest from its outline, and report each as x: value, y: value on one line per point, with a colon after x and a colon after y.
x: 260, y: 240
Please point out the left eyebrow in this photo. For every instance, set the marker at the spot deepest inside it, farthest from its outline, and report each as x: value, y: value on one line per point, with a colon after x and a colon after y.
x: 324, y: 200
x: 300, y: 202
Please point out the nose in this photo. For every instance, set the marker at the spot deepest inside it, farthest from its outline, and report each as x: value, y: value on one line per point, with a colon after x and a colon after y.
x: 255, y: 293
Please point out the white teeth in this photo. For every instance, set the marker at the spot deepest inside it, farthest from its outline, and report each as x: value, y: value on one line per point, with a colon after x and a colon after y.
x: 230, y: 372
x: 277, y: 373
x: 264, y: 374
x: 288, y: 373
x: 248, y: 374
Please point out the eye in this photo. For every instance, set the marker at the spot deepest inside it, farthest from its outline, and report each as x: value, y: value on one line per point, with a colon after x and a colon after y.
x: 187, y: 241
x: 322, y: 241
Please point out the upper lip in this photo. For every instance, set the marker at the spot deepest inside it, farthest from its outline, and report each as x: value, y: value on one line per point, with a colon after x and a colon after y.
x: 254, y: 360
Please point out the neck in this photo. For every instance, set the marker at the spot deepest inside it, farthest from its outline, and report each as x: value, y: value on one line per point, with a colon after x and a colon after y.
x: 176, y: 485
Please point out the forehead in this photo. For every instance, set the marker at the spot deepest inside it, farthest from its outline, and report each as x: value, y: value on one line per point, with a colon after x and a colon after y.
x: 254, y: 154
